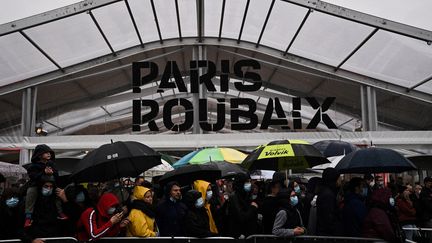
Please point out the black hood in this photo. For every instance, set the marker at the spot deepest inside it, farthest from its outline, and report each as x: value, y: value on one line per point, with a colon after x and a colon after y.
x: 39, y: 150
x: 191, y: 197
x: 330, y: 176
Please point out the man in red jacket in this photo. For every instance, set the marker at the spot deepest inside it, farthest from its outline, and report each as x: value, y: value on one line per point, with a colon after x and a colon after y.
x: 103, y: 221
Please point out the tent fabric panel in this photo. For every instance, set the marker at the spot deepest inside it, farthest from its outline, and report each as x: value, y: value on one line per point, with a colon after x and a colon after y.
x: 328, y: 39
x: 117, y: 25
x: 70, y: 40
x: 19, y: 60
x: 233, y: 17
x: 255, y: 18
x: 167, y: 18
x: 282, y: 25
x: 393, y: 58
x: 188, y: 17
x: 144, y: 19
x: 212, y: 17
x: 427, y: 87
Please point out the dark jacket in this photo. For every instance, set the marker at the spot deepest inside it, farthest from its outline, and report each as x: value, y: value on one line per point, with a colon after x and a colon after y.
x: 328, y: 214
x: 11, y: 219
x: 169, y: 217
x: 196, y: 221
x: 426, y: 204
x: 242, y: 216
x: 405, y: 211
x: 37, y: 168
x: 353, y: 215
x: 269, y: 209
x: 45, y: 222
x: 288, y: 217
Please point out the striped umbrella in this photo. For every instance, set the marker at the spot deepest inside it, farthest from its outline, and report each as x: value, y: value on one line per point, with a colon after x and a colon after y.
x: 206, y: 155
x: 284, y: 154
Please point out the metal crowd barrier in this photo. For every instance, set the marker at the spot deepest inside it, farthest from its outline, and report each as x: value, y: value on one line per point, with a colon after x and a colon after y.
x: 307, y: 239
x: 166, y: 239
x: 47, y: 240
x: 250, y: 239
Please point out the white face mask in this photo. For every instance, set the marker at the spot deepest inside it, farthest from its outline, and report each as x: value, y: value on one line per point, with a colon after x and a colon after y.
x: 247, y: 186
x: 111, y: 211
x: 199, y: 202
x: 209, y: 195
x: 253, y: 197
x: 46, y: 192
x: 392, y: 202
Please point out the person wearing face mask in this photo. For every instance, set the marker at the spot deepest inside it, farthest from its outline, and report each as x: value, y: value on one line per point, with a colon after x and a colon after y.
x: 381, y: 222
x: 205, y: 189
x: 104, y: 220
x: 354, y: 210
x: 45, y: 222
x: 196, y: 221
x: 170, y: 211
x: 142, y: 215
x: 288, y: 221
x: 11, y: 215
x: 241, y: 211
x: 75, y: 200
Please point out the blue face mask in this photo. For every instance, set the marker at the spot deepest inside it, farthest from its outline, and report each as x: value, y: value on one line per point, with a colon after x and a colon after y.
x: 209, y: 195
x: 46, y: 192
x: 12, y: 202
x: 392, y: 202
x: 294, y: 200
x: 364, y: 192
x: 199, y: 203
x: 247, y: 186
x: 80, y: 197
x: 111, y: 211
x: 297, y: 189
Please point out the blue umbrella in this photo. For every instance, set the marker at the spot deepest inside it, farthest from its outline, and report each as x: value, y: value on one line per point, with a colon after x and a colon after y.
x: 374, y: 160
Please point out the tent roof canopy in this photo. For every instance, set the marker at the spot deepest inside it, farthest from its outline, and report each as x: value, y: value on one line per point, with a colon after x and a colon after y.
x: 79, y: 57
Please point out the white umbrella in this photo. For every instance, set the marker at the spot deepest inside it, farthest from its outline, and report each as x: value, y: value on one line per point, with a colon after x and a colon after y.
x: 158, y: 170
x: 262, y: 175
x: 8, y: 169
x: 334, y: 161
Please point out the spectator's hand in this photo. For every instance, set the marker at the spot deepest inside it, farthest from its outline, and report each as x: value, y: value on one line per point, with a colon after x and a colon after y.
x: 254, y: 204
x: 61, y: 194
x: 124, y: 223
x: 38, y: 241
x: 48, y: 170
x: 116, y: 218
x: 298, y: 231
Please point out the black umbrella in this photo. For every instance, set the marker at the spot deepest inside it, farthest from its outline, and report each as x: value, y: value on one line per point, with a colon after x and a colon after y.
x: 187, y: 174
x: 229, y: 169
x: 423, y: 162
x: 330, y: 148
x: 115, y: 160
x: 374, y: 160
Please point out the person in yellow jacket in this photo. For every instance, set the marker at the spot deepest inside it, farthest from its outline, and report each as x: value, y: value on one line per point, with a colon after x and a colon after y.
x: 142, y: 215
x: 205, y: 189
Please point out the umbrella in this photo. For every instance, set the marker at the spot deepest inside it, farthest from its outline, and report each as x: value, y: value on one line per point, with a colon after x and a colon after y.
x: 187, y: 174
x: 262, y: 174
x: 211, y: 155
x: 159, y: 170
x: 229, y: 169
x: 374, y: 160
x: 283, y: 155
x: 330, y: 148
x: 8, y: 169
x: 115, y: 160
x: 333, y: 162
x: 423, y: 162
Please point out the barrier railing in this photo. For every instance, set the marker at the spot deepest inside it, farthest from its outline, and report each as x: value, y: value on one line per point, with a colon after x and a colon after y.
x: 167, y: 239
x: 307, y: 238
x: 47, y: 240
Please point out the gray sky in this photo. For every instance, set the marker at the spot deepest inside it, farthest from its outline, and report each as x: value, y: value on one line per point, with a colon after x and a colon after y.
x: 411, y: 12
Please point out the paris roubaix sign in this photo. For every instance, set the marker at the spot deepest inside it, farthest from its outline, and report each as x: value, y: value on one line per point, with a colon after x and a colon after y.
x: 244, y: 108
